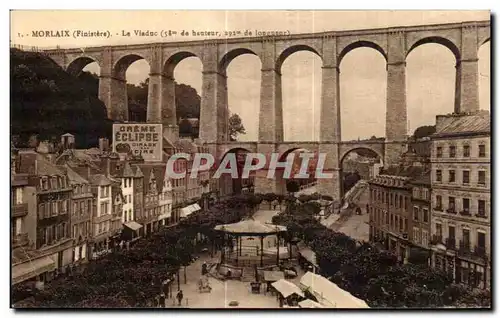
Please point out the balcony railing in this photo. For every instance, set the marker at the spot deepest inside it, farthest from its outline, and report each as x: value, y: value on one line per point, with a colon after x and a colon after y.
x: 451, y: 244
x: 464, y: 248
x: 481, y: 215
x: 480, y: 251
x: 451, y: 211
x: 465, y: 213
x: 436, y: 239
x: 20, y: 240
x: 20, y: 210
x: 438, y: 208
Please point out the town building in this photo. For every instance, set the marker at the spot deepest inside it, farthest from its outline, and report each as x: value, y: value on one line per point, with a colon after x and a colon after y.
x: 117, y: 213
x: 153, y: 180
x: 389, y: 213
x: 53, y: 218
x: 461, y: 204
x: 394, y: 221
x: 420, y: 234
x: 102, y: 215
x: 81, y: 215
x: 27, y: 262
x: 165, y: 200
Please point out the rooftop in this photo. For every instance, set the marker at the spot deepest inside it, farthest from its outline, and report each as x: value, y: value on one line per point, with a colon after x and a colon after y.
x: 458, y: 124
x: 99, y: 180
x: 74, y: 177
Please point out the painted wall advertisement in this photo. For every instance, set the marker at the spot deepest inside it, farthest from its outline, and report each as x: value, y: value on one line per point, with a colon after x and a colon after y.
x: 139, y: 139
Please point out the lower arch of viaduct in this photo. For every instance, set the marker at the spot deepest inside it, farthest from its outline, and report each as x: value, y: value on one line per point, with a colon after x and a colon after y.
x: 335, y: 153
x: 463, y: 39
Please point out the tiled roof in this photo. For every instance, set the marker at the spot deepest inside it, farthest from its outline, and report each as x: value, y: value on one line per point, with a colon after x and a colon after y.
x: 45, y: 168
x: 127, y: 171
x: 424, y: 179
x: 157, y: 170
x: 138, y: 173
x: 99, y: 180
x: 475, y: 123
x: 74, y: 177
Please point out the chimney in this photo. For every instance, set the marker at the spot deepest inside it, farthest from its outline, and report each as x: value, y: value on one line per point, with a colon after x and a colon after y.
x: 104, y: 144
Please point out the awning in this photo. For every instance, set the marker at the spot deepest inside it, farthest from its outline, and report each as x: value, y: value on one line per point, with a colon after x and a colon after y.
x: 273, y: 276
x: 310, y: 304
x: 189, y: 209
x: 164, y: 216
x: 32, y: 268
x: 134, y: 226
x: 309, y: 255
x: 286, y: 288
x: 328, y: 293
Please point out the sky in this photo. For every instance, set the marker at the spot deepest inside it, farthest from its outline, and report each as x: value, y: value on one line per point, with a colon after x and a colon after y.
x: 430, y: 68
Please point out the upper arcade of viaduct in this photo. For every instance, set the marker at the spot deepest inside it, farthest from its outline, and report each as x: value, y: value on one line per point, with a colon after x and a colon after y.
x: 394, y: 43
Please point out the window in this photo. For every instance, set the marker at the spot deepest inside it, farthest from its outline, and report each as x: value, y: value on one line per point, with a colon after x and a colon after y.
x: 451, y: 232
x: 453, y: 151
x: 439, y: 202
x: 482, y: 150
x: 439, y: 175
x: 466, y: 238
x: 466, y: 151
x: 481, y: 240
x: 439, y: 230
x: 425, y: 212
x: 425, y: 237
x: 416, y: 236
x: 481, y: 208
x: 54, y: 208
x: 451, y: 174
x: 415, y: 213
x: 425, y: 194
x: 481, y: 177
x: 451, y: 204
x: 439, y: 152
x: 465, y: 205
x: 465, y: 177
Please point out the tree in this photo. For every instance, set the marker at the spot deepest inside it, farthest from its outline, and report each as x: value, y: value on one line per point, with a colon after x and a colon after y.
x: 185, y: 128
x: 235, y: 127
x: 424, y: 131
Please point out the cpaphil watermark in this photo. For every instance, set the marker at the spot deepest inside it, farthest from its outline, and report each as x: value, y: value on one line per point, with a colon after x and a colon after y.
x: 307, y: 165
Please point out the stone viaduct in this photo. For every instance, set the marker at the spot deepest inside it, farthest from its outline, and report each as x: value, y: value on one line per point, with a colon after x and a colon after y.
x: 394, y: 43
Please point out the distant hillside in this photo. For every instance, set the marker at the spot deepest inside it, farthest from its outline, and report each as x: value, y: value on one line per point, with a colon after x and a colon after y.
x: 47, y: 101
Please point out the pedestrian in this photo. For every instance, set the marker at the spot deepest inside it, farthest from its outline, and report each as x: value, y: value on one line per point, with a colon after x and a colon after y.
x: 204, y: 268
x: 180, y: 296
x: 162, y: 300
